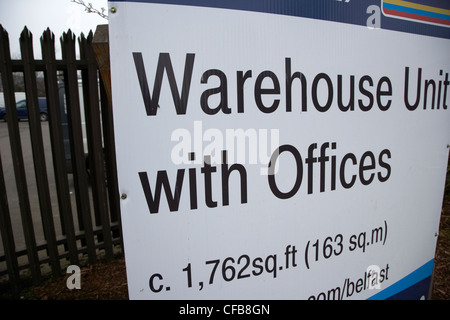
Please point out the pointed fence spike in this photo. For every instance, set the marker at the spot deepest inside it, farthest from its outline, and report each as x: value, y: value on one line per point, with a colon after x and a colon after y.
x: 47, y: 36
x: 3, y: 33
x: 4, y: 43
x: 26, y: 33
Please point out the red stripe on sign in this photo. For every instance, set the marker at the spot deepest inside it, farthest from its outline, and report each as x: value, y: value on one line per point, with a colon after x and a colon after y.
x: 416, y: 16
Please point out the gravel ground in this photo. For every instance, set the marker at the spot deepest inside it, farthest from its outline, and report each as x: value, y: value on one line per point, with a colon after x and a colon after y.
x: 441, y: 282
x: 100, y: 281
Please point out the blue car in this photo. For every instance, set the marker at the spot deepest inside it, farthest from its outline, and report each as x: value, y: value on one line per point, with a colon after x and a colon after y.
x: 22, y: 110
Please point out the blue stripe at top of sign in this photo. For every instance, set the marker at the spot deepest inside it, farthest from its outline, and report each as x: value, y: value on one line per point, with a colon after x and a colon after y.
x: 344, y: 11
x: 332, y: 10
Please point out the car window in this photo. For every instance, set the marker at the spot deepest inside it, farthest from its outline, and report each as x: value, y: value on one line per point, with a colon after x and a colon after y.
x: 21, y: 104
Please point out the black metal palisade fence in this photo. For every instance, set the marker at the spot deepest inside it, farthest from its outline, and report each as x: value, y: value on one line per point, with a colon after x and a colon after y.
x: 78, y: 212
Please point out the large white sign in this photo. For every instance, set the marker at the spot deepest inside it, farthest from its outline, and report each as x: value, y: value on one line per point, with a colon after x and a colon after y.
x: 267, y: 156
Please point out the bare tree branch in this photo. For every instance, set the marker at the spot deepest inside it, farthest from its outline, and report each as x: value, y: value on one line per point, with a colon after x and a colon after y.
x: 90, y: 9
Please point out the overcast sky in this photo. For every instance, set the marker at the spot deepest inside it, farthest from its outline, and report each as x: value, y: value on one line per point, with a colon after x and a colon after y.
x: 37, y: 15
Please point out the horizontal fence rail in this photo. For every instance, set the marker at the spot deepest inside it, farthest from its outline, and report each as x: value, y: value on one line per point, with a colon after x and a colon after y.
x: 58, y: 185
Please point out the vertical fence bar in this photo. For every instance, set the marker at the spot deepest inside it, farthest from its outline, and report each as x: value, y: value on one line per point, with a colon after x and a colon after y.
x: 100, y: 44
x: 57, y: 141
x: 77, y: 148
x: 110, y: 156
x: 8, y: 236
x: 16, y: 151
x: 37, y: 145
x: 93, y: 126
